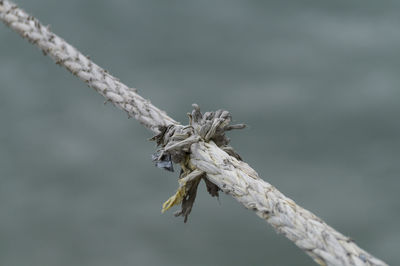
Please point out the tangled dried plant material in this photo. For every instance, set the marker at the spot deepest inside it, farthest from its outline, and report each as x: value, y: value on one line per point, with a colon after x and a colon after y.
x: 175, y: 142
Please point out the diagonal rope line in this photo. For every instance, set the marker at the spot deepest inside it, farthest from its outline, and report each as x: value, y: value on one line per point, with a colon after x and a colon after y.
x: 324, y: 244
x: 81, y: 66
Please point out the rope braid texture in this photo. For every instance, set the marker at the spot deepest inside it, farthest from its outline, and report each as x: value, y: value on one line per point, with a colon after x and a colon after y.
x: 201, y: 149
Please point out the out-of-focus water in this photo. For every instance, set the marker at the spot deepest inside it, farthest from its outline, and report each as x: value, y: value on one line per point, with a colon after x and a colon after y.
x: 317, y: 83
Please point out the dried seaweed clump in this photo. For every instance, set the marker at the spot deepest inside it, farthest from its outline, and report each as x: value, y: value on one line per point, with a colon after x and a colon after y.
x: 174, y: 142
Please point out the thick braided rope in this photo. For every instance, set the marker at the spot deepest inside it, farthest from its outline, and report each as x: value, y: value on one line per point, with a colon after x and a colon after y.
x: 325, y: 245
x: 81, y: 66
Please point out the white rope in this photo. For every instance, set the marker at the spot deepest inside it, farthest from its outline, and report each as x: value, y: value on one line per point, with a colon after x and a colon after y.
x: 325, y: 245
x: 81, y: 66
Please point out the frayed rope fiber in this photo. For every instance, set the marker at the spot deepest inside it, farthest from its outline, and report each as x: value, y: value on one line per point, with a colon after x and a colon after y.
x: 201, y: 149
x: 175, y: 142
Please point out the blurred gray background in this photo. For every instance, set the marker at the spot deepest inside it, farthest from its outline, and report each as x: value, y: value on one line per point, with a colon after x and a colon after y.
x: 317, y: 83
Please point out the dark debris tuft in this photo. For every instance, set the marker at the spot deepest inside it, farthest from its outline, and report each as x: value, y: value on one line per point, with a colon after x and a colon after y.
x: 174, y: 142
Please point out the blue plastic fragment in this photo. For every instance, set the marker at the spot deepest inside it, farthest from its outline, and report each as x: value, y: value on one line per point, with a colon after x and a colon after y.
x: 164, y: 162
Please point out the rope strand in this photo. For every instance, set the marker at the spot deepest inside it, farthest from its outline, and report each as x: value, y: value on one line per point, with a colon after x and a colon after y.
x: 325, y: 245
x: 79, y: 65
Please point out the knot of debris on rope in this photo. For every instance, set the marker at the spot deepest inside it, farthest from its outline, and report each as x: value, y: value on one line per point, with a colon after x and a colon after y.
x: 174, y: 142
